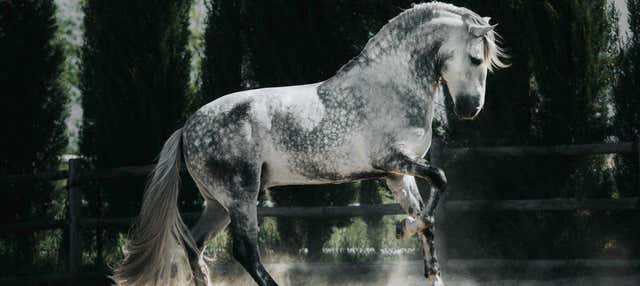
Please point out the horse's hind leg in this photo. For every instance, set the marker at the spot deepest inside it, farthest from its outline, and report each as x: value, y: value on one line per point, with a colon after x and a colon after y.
x: 244, y: 225
x: 244, y: 231
x: 213, y: 219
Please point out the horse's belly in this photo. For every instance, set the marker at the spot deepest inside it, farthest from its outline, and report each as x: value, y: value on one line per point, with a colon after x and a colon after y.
x: 332, y: 166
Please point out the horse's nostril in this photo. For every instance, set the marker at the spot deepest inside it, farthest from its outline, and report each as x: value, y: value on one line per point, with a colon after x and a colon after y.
x: 467, y: 106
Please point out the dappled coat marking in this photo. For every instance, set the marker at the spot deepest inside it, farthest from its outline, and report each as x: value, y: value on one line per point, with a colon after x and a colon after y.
x: 371, y: 120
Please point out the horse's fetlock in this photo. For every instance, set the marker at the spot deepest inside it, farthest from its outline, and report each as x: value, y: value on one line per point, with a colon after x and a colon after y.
x: 408, y: 227
x: 428, y: 220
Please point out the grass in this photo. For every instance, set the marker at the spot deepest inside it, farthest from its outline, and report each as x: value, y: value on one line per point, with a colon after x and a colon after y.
x: 348, y: 244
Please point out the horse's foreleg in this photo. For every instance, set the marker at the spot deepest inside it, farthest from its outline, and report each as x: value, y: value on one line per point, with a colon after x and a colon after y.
x: 431, y: 265
x: 423, y: 221
x: 406, y: 193
x: 398, y: 163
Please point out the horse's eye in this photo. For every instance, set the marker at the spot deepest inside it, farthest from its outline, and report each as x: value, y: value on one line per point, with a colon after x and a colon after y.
x: 475, y: 61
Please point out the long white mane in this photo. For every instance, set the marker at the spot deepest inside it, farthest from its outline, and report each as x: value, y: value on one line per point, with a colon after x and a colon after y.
x: 391, y: 35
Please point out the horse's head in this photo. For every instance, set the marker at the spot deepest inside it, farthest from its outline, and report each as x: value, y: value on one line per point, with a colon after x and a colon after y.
x: 466, y: 56
x: 442, y: 45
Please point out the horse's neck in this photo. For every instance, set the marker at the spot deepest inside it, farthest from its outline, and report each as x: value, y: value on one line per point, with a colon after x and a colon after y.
x: 380, y: 81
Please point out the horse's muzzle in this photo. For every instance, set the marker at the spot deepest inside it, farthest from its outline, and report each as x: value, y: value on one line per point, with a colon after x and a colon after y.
x: 467, y: 107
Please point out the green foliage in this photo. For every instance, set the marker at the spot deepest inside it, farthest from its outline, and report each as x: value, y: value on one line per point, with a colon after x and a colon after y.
x: 69, y: 18
x: 134, y: 81
x: 223, y: 50
x: 373, y: 193
x: 32, y: 120
x: 627, y: 101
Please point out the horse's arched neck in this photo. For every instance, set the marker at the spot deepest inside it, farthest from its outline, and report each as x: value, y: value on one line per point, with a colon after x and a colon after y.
x: 412, y: 68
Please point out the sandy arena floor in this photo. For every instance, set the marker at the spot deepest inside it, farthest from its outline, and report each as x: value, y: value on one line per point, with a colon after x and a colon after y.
x: 388, y: 274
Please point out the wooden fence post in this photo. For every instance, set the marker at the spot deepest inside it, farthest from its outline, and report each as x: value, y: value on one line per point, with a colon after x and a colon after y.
x: 638, y: 157
x: 75, y: 204
x: 437, y: 159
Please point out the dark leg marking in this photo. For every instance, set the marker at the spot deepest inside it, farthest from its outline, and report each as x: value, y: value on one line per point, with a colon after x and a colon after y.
x: 431, y: 265
x: 401, y: 164
x: 434, y: 200
x: 244, y: 230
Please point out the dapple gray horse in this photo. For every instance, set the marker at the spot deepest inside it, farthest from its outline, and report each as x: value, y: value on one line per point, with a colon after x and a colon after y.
x: 371, y: 120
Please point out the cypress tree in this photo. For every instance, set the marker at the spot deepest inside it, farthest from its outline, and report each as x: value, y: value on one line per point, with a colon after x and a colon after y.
x: 627, y: 127
x: 572, y: 61
x: 32, y: 120
x: 573, y: 56
x: 224, y: 50
x: 134, y: 83
x: 627, y: 101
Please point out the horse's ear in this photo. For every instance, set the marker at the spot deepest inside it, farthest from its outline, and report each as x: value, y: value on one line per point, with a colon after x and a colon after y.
x: 480, y: 31
x: 467, y: 19
x: 475, y: 29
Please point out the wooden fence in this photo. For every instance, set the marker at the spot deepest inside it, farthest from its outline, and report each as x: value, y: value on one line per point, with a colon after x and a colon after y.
x: 78, y: 175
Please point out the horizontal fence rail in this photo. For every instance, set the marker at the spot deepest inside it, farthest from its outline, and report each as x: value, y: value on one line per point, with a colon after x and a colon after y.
x: 543, y: 205
x: 558, y: 150
x: 449, y: 153
x: 43, y: 176
x: 624, y: 204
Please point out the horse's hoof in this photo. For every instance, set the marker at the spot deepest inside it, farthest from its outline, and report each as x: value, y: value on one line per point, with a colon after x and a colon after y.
x: 434, y: 280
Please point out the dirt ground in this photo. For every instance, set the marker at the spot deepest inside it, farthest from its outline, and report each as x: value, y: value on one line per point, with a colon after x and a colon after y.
x: 388, y: 274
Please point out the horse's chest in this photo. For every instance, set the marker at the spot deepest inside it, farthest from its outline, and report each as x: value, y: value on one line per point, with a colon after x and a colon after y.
x: 414, y: 142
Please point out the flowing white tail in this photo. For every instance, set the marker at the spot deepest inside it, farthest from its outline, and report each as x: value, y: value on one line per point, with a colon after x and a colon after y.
x: 155, y: 253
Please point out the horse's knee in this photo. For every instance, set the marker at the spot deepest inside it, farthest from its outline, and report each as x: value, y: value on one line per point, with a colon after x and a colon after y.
x: 438, y: 178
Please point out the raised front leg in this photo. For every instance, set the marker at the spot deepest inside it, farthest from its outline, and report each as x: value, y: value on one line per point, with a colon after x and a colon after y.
x: 406, y: 193
x: 422, y: 221
x: 401, y: 164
